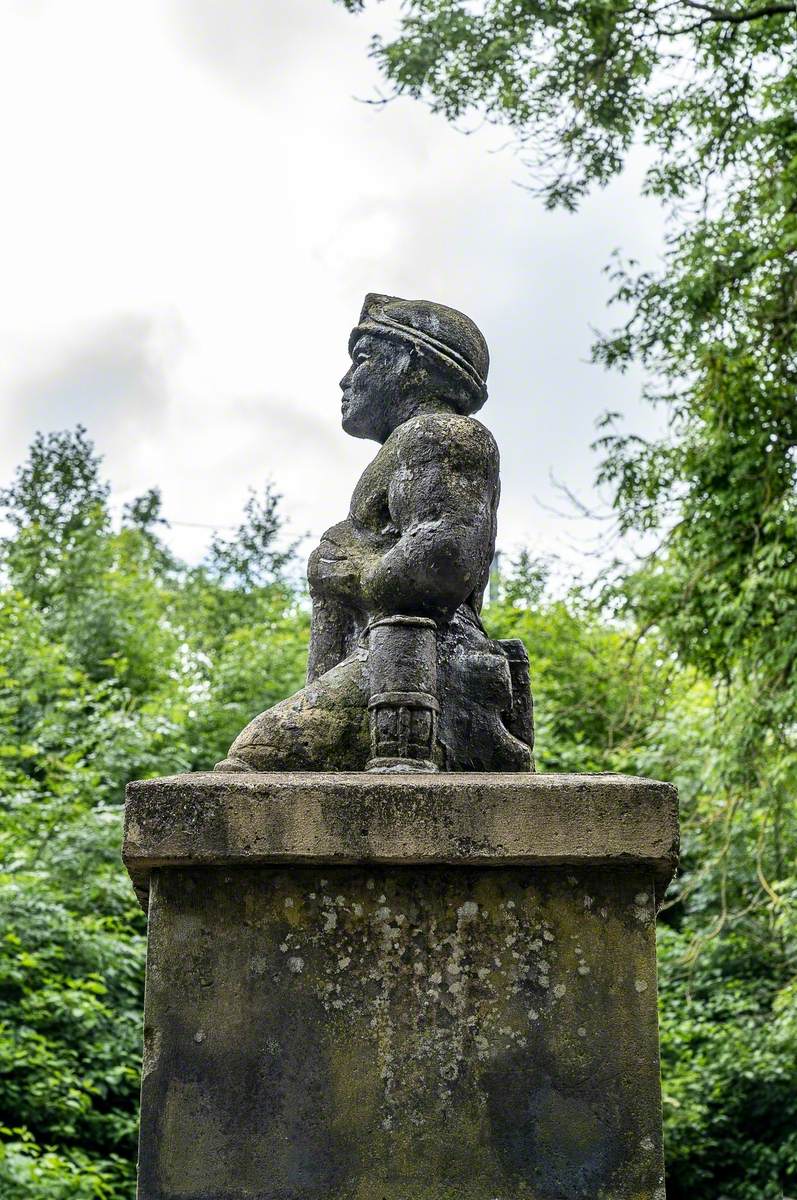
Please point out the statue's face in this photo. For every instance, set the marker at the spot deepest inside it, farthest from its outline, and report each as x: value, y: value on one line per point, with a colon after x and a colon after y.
x: 376, y: 388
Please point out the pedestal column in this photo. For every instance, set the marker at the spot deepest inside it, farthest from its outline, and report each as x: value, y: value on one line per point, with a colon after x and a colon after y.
x: 401, y: 987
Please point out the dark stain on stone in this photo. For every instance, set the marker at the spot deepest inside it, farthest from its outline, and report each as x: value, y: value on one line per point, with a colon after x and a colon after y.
x: 436, y: 1033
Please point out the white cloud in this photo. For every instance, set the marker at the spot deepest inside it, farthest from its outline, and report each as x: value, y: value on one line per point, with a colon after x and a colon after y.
x: 195, y: 205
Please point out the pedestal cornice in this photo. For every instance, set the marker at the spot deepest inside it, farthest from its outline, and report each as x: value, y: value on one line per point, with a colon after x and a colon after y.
x: 456, y: 819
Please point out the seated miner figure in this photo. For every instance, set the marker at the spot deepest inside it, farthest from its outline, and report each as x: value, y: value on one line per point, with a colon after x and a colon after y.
x: 401, y: 675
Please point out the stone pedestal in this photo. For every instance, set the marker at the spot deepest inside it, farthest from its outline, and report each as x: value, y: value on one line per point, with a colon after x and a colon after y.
x: 411, y: 987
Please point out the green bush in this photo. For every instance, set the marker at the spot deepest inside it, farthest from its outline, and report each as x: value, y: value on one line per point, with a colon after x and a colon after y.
x: 118, y: 662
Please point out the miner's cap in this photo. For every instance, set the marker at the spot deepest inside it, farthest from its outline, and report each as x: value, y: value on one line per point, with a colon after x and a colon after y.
x: 441, y: 333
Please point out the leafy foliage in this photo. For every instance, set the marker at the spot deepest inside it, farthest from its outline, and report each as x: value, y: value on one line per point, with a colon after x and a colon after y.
x: 711, y: 91
x: 614, y: 697
x: 597, y: 695
x: 116, y: 662
x: 729, y: 1064
x: 189, y: 654
x: 580, y: 81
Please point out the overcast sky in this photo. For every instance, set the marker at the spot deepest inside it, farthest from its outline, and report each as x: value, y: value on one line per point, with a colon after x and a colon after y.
x: 193, y: 206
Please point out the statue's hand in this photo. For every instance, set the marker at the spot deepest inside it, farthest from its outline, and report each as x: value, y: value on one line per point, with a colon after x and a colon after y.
x: 335, y: 566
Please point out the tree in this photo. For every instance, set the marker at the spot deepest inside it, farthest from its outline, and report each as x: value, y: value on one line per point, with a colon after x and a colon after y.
x: 597, y: 692
x: 711, y: 90
x: 252, y: 557
x: 144, y: 512
x: 579, y: 82
x: 611, y: 696
x: 212, y: 650
x: 55, y: 506
x: 117, y: 661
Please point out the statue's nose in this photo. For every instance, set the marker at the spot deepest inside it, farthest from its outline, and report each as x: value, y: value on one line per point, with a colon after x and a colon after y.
x: 346, y: 380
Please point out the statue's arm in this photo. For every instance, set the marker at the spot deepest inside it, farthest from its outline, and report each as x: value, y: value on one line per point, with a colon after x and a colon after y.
x: 442, y: 501
x: 333, y: 572
x: 330, y: 637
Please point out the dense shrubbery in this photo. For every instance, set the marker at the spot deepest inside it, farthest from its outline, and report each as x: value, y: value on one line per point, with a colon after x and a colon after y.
x: 117, y: 661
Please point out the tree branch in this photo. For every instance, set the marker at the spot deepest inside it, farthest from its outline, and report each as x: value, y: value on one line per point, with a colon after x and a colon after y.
x: 731, y: 17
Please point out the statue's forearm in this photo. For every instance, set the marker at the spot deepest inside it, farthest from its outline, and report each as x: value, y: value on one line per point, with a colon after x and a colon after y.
x: 336, y: 566
x: 330, y: 635
x: 430, y: 569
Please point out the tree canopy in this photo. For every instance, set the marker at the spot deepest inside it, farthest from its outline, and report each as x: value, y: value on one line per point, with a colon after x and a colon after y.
x: 711, y: 91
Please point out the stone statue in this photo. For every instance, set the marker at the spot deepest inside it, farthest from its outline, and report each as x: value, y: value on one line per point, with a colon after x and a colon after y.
x: 401, y: 675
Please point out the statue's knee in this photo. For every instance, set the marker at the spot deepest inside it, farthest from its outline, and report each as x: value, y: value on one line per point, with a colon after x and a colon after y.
x: 232, y: 763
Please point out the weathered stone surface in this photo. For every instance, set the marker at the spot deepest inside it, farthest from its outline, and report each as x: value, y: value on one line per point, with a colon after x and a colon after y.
x: 401, y: 1033
x: 467, y: 819
x: 373, y: 987
x: 415, y: 548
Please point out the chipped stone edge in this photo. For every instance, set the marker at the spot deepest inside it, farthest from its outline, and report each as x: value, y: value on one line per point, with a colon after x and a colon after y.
x: 474, y: 819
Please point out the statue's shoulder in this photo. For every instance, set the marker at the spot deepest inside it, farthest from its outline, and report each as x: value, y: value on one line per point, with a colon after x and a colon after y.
x: 448, y: 436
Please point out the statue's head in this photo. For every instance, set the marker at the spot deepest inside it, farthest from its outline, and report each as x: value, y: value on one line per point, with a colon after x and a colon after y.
x: 406, y: 354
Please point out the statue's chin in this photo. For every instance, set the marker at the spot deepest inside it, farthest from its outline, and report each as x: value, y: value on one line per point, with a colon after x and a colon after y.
x: 358, y: 428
